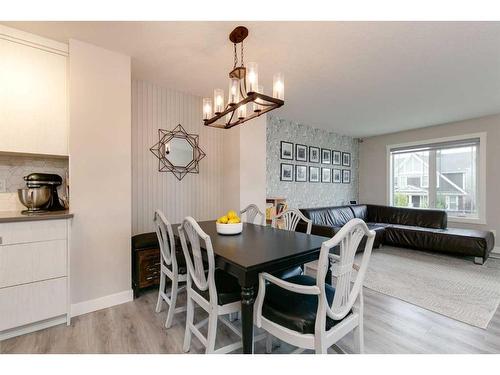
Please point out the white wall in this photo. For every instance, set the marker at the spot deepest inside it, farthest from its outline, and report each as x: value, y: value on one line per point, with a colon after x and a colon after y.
x: 199, y: 195
x: 373, y: 162
x: 100, y: 171
x: 253, y: 163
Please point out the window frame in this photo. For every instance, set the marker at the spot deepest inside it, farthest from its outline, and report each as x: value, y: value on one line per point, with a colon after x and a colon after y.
x: 481, y: 171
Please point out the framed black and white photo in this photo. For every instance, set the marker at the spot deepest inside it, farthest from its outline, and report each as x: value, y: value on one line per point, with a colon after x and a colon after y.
x: 300, y: 173
x: 337, y: 176
x: 326, y: 156
x: 346, y: 159
x: 326, y: 175
x: 313, y: 174
x: 286, y: 172
x: 313, y: 154
x: 336, y: 160
x: 346, y: 176
x: 286, y: 150
x: 300, y: 152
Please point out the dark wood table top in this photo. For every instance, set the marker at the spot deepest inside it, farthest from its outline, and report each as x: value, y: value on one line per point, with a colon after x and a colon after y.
x: 261, y: 248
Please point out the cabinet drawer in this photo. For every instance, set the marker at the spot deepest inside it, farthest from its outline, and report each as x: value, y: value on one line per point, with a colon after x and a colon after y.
x: 32, y: 231
x: 29, y: 303
x: 29, y: 262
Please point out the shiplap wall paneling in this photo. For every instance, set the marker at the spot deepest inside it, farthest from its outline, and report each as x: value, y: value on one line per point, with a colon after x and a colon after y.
x: 198, y: 195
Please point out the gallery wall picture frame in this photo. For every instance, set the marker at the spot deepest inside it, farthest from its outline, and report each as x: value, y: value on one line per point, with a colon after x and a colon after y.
x: 286, y: 150
x: 326, y: 156
x: 326, y: 175
x: 336, y: 157
x: 346, y: 159
x: 300, y: 152
x: 313, y: 174
x: 346, y: 176
x: 300, y: 173
x: 314, y: 154
x: 337, y: 176
x: 286, y: 172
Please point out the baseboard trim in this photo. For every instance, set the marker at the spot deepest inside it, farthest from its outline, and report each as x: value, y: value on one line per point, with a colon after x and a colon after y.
x: 100, y: 303
x: 33, y: 327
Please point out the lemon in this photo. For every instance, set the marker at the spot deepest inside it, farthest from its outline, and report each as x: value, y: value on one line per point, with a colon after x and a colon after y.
x: 231, y: 214
x: 222, y: 220
x: 235, y: 220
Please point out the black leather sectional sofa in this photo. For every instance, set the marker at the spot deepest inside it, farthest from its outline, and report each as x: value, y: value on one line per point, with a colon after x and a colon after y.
x: 420, y: 229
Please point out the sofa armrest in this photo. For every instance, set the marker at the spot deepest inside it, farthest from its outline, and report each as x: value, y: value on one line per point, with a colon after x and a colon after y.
x: 323, y: 230
x: 319, y: 230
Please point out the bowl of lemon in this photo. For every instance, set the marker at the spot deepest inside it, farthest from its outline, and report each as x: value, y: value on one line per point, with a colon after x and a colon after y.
x: 229, y: 224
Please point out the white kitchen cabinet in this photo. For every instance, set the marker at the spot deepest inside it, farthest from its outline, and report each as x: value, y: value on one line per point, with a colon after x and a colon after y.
x: 33, y: 94
x: 34, y: 275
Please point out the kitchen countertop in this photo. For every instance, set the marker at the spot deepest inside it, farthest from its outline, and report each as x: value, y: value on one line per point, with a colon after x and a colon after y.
x: 15, y: 216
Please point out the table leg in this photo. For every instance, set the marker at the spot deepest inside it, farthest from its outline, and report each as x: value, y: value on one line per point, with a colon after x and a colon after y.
x: 247, y: 301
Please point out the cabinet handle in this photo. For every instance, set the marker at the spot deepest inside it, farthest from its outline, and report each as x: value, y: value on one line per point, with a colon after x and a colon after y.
x: 150, y: 278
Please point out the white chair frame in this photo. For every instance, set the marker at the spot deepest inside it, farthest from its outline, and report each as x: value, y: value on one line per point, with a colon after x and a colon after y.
x: 345, y: 299
x: 204, y: 280
x: 291, y: 218
x: 168, y: 258
x: 252, y: 212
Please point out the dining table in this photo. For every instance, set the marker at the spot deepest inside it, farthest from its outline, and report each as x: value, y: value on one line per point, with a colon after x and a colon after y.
x: 258, y: 248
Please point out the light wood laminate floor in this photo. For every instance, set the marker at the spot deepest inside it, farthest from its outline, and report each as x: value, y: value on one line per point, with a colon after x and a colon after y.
x: 391, y: 326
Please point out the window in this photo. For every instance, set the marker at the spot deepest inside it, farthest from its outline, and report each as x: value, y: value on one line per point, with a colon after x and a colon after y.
x: 442, y: 175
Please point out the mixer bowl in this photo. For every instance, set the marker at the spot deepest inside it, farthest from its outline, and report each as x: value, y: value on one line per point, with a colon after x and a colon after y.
x: 34, y: 198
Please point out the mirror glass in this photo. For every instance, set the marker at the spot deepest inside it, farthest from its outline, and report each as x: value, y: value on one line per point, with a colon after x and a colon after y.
x: 179, y: 152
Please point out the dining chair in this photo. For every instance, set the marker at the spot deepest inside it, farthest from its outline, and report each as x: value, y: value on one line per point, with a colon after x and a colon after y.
x: 215, y: 291
x: 291, y: 219
x: 172, y: 265
x: 311, y: 314
x: 252, y: 212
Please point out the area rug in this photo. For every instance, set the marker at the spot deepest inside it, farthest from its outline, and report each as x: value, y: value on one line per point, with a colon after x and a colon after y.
x: 454, y: 287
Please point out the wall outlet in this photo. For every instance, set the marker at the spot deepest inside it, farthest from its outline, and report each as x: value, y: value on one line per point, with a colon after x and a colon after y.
x: 3, y: 186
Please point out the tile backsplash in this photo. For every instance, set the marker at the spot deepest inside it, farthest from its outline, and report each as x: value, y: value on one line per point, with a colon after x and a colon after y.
x: 14, y: 167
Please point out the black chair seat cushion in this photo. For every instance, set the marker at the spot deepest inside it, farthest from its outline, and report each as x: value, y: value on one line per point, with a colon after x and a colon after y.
x: 295, y: 311
x: 181, y: 262
x: 228, y: 288
x: 289, y: 273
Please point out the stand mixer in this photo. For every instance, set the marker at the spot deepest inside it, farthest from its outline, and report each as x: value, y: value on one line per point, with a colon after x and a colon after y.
x: 41, y: 193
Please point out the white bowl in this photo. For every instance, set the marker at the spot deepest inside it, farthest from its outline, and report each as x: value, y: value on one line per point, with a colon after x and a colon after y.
x: 229, y: 229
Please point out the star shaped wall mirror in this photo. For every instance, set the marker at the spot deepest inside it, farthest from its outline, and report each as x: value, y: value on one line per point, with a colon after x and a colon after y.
x: 178, y: 152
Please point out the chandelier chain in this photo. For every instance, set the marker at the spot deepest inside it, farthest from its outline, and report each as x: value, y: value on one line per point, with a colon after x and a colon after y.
x: 242, y: 63
x: 235, y: 56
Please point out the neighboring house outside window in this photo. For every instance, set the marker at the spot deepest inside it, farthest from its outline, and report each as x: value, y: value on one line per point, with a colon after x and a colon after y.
x: 443, y: 175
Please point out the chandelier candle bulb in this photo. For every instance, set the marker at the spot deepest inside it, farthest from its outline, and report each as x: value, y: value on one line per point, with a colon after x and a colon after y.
x: 234, y: 92
x: 252, y: 77
x: 207, y: 108
x: 218, y: 101
x: 256, y: 106
x: 242, y: 111
x: 279, y: 86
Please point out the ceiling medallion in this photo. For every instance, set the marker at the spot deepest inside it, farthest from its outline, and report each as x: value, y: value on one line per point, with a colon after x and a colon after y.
x: 178, y: 152
x: 246, y: 99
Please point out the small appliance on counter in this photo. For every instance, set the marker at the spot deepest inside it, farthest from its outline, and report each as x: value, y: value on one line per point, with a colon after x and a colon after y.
x: 40, y: 194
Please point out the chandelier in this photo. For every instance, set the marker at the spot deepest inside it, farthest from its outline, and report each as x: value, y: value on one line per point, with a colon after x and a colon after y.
x: 246, y: 99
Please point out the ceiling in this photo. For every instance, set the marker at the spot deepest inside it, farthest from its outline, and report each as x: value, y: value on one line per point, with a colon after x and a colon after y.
x: 355, y: 78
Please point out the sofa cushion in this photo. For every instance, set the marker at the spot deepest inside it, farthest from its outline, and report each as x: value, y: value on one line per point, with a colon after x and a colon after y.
x: 452, y: 240
x: 425, y: 218
x: 329, y: 216
x: 360, y: 211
